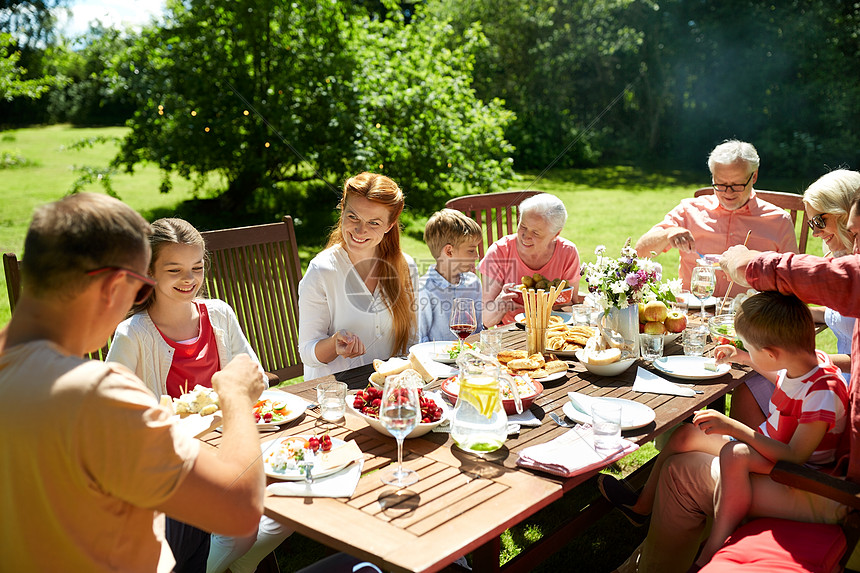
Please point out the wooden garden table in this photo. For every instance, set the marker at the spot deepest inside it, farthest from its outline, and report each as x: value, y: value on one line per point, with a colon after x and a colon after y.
x: 462, y: 503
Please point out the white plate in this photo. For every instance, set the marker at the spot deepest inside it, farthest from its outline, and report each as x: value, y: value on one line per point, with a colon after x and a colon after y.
x: 294, y: 474
x: 693, y: 302
x: 689, y: 367
x: 437, y: 351
x: 566, y: 317
x: 551, y: 377
x: 633, y: 414
x: 295, y: 405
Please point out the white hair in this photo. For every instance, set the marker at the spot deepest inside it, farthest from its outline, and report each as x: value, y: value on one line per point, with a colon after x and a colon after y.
x: 731, y: 151
x: 832, y: 193
x: 546, y: 206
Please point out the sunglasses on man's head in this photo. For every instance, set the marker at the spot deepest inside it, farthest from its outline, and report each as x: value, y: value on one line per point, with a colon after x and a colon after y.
x: 145, y: 290
x: 817, y: 221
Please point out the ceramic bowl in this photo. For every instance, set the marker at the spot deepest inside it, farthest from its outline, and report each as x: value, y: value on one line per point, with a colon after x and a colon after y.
x: 613, y: 369
x: 419, y: 430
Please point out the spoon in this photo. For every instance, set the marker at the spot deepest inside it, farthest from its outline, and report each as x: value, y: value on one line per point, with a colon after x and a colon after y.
x: 555, y: 418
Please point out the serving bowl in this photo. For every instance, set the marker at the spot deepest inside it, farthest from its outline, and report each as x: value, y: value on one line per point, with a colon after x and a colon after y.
x: 450, y: 385
x: 722, y: 329
x: 613, y: 369
x: 564, y: 295
x: 417, y: 432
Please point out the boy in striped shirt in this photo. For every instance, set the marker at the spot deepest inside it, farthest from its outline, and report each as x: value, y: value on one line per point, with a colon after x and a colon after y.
x: 806, y: 420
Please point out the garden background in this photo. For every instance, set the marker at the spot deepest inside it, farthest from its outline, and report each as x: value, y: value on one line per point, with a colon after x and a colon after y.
x: 234, y: 112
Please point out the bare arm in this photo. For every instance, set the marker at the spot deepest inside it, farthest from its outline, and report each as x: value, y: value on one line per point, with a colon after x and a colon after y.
x: 224, y: 490
x: 802, y: 444
x: 658, y: 239
x: 341, y: 343
x: 496, y: 302
x: 734, y: 263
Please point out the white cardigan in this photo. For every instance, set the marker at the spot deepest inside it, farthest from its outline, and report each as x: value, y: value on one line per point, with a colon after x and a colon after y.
x: 138, y: 345
x: 333, y: 297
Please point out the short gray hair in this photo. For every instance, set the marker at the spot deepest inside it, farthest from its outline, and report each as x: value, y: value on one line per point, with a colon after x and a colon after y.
x: 731, y: 151
x: 832, y: 193
x: 548, y: 207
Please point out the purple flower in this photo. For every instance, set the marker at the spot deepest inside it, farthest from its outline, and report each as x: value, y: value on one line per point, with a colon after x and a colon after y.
x: 633, y: 279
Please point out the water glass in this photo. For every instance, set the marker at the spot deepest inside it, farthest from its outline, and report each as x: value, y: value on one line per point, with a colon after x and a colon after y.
x: 491, y: 341
x: 651, y: 346
x: 332, y: 400
x: 606, y: 425
x: 585, y: 314
x: 694, y: 340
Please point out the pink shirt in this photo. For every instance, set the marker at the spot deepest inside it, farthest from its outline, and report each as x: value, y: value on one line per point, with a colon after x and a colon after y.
x: 715, y: 229
x: 503, y: 264
x: 830, y: 282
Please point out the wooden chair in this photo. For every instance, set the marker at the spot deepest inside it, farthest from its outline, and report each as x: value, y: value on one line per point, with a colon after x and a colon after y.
x: 12, y: 269
x: 496, y: 213
x: 791, y: 202
x: 257, y: 270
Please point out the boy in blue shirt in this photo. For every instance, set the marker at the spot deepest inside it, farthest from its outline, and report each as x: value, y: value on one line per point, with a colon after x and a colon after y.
x: 453, y: 240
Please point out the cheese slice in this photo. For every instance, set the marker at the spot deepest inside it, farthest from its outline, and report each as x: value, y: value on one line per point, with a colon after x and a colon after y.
x: 419, y: 367
x: 391, y: 366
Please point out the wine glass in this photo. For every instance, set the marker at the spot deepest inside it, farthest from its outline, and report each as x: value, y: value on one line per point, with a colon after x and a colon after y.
x: 463, y: 321
x: 703, y: 281
x: 399, y: 412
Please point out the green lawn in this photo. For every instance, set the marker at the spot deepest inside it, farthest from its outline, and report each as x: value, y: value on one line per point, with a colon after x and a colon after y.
x: 606, y: 206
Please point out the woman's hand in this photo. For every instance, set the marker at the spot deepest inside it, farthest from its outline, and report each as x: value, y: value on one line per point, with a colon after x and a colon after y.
x: 347, y: 344
x: 725, y: 353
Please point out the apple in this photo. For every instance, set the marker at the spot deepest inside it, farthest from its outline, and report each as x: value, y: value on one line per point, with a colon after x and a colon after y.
x: 675, y: 321
x: 655, y: 311
x: 642, y: 319
x: 654, y: 327
x: 641, y: 327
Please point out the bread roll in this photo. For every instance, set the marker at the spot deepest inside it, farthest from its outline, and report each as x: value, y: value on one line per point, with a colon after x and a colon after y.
x: 391, y: 366
x: 554, y: 366
x: 508, y: 355
x: 419, y: 367
x: 600, y: 357
x: 523, y: 364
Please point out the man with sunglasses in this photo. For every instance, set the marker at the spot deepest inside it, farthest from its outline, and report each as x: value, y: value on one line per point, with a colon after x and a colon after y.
x: 711, y: 224
x: 89, y: 461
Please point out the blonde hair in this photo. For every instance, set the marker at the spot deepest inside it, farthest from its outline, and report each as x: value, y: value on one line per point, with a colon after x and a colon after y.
x: 76, y: 234
x: 774, y: 320
x: 165, y: 232
x: 394, y: 276
x: 832, y: 194
x: 449, y: 227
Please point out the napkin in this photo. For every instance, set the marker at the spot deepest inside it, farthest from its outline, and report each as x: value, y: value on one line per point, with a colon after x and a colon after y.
x: 524, y: 419
x: 340, y: 484
x: 649, y: 382
x: 572, y: 453
x: 582, y: 402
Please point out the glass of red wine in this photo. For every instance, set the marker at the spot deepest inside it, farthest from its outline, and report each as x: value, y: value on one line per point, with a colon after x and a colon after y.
x: 463, y: 321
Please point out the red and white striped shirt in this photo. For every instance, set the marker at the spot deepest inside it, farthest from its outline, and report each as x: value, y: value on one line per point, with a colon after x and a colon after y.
x: 820, y: 395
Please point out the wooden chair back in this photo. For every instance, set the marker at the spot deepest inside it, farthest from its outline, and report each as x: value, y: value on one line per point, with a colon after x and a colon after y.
x: 257, y: 270
x: 12, y: 269
x: 791, y: 202
x: 496, y: 213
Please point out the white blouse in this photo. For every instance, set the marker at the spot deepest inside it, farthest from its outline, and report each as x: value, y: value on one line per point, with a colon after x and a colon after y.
x: 333, y: 297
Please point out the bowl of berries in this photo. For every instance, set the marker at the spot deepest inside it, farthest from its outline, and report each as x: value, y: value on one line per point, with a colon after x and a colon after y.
x: 365, y: 404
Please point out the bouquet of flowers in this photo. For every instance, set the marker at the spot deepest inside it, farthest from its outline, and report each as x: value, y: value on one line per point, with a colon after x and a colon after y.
x: 627, y: 279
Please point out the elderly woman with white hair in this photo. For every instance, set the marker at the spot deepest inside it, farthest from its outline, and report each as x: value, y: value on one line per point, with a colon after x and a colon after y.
x: 827, y: 203
x: 537, y: 247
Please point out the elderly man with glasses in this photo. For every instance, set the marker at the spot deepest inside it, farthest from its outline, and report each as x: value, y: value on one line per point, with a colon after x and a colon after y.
x: 713, y: 223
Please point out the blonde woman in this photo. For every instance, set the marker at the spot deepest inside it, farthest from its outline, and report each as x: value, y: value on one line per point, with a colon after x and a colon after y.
x: 357, y: 298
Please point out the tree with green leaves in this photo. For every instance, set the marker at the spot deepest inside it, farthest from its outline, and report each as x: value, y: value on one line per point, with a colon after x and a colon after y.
x: 13, y: 80
x: 266, y: 92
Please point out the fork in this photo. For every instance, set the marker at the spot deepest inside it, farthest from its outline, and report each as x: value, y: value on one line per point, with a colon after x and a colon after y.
x: 555, y: 418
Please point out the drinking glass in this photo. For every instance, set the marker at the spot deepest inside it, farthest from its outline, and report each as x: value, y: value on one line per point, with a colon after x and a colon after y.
x: 702, y: 284
x: 463, y: 320
x: 695, y: 338
x: 606, y: 425
x: 491, y: 341
x: 399, y: 412
x: 331, y: 397
x: 651, y: 346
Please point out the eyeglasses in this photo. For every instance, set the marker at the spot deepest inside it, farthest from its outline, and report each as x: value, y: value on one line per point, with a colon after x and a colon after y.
x: 817, y: 221
x: 736, y: 187
x: 143, y: 293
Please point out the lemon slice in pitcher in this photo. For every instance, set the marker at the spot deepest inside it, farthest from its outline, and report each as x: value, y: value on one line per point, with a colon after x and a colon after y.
x: 483, y: 396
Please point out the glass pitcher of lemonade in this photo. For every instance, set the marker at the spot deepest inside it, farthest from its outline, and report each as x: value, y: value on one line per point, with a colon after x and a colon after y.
x: 479, y: 423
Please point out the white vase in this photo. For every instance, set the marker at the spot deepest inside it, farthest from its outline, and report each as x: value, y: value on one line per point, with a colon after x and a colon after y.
x: 625, y: 322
